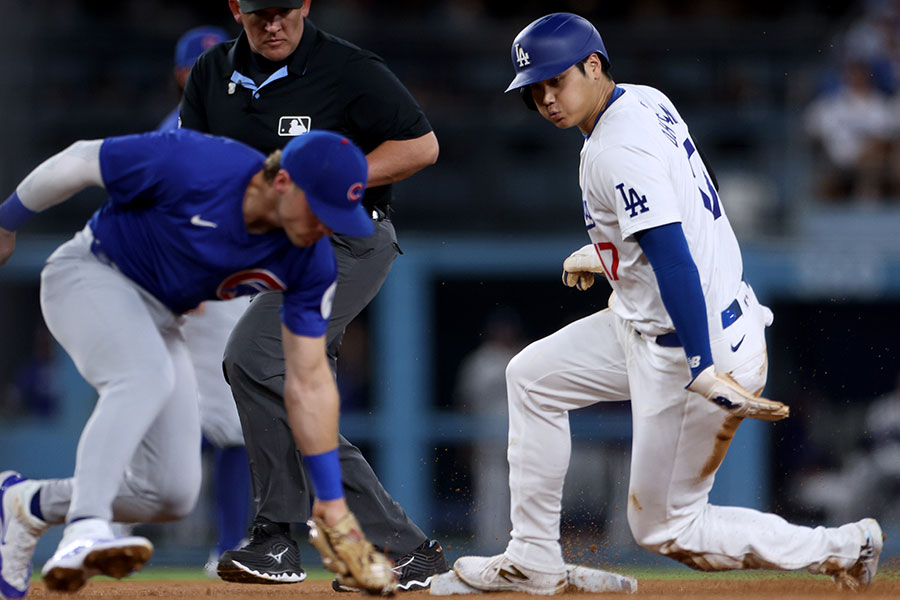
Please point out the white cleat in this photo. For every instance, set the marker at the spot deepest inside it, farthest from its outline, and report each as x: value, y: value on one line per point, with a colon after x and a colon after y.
x: 89, y: 548
x: 19, y: 533
x: 498, y: 573
x: 862, y: 573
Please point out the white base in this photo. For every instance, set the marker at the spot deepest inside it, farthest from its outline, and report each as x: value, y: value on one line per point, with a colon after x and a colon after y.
x: 581, y: 579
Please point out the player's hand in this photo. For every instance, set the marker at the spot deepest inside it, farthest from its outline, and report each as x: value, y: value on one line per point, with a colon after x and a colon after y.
x: 725, y: 392
x: 579, y: 268
x: 7, y: 245
x: 347, y: 552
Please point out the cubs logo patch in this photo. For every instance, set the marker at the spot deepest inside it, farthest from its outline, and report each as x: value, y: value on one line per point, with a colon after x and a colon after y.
x: 245, y: 283
x: 294, y: 125
x: 355, y: 192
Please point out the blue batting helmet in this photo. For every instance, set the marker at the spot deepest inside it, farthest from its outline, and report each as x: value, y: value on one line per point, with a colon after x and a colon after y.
x: 552, y: 44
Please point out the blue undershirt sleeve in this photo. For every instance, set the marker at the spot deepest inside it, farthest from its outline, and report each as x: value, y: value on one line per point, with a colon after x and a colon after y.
x: 679, y: 285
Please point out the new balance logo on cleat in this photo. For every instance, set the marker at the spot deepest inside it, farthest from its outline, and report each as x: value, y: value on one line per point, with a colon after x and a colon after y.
x: 513, y: 574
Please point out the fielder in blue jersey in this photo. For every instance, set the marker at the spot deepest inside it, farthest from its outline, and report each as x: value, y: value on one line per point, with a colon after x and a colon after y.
x: 189, y: 218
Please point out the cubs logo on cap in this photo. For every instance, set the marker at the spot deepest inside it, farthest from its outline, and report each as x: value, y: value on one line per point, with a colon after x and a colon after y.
x: 332, y: 171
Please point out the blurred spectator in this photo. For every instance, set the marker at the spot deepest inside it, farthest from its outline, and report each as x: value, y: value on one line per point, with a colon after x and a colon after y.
x: 852, y: 126
x: 33, y: 391
x: 191, y: 44
x: 481, y: 392
x: 868, y: 481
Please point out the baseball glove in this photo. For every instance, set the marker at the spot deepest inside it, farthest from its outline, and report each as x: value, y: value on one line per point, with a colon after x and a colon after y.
x: 579, y: 268
x: 725, y: 392
x: 347, y: 552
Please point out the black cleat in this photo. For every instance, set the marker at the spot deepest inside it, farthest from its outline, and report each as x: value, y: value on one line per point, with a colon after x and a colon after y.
x: 414, y: 570
x: 271, y: 556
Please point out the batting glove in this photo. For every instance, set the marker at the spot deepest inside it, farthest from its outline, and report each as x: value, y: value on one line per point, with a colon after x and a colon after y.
x: 725, y: 392
x: 580, y: 266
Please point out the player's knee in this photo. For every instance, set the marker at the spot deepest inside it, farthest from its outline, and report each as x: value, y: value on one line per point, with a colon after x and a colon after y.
x: 650, y: 532
x: 179, y: 496
x: 521, y: 367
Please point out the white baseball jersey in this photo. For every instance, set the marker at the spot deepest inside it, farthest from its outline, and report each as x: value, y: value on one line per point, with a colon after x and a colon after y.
x: 640, y: 169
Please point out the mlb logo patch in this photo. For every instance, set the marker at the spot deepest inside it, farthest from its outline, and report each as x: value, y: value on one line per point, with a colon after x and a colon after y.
x: 293, y: 126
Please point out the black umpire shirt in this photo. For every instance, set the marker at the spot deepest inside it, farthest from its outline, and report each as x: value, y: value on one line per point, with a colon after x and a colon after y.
x: 327, y: 83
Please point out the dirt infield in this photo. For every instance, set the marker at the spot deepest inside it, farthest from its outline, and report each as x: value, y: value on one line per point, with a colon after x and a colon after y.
x: 650, y: 589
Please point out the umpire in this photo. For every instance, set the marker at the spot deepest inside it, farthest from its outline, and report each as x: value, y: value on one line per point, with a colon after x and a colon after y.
x: 280, y: 78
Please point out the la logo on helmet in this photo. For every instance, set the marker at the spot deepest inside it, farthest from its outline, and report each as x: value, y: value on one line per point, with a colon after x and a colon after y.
x: 522, y: 56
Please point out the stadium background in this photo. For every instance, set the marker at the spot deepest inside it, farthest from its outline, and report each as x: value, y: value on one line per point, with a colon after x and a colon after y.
x: 484, y: 233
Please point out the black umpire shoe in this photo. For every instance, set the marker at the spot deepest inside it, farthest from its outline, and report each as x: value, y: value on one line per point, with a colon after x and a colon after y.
x: 271, y: 556
x: 414, y: 570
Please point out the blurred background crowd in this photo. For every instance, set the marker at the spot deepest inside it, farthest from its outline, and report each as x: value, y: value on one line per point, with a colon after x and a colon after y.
x: 797, y: 106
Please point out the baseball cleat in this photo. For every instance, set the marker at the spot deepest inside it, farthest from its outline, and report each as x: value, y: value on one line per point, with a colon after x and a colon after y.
x: 271, y: 556
x: 415, y: 571
x: 88, y: 548
x: 862, y: 573
x: 19, y: 533
x: 499, y: 573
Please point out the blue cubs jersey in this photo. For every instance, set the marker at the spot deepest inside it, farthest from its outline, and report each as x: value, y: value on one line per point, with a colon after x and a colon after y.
x: 174, y: 224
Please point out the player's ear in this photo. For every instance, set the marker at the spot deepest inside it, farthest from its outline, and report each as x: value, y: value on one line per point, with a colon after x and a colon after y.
x: 595, y: 66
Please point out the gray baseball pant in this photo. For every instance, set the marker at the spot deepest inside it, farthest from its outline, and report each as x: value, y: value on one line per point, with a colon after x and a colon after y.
x: 254, y: 365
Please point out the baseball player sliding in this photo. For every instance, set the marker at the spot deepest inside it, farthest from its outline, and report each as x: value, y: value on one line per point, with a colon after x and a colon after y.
x: 190, y: 217
x: 683, y: 339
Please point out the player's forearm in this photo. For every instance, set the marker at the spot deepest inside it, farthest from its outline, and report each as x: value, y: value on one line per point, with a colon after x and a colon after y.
x: 395, y: 160
x: 681, y: 291
x: 53, y: 181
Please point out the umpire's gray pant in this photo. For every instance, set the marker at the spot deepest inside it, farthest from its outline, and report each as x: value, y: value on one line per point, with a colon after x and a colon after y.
x: 254, y: 365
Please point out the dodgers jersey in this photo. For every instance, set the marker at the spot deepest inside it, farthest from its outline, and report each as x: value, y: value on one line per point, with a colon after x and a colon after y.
x: 174, y: 224
x: 640, y: 169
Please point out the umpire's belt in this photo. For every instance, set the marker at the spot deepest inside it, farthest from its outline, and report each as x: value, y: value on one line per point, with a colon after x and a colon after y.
x: 729, y: 316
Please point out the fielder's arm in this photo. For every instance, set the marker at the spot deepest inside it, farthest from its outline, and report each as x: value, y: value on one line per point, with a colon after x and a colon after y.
x: 53, y: 181
x: 311, y: 399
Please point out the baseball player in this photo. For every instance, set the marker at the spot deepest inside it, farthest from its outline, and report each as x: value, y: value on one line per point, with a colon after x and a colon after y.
x: 190, y: 218
x: 683, y: 339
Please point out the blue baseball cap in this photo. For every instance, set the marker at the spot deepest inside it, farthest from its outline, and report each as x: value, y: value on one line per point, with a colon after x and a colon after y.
x: 195, y: 42
x: 333, y: 173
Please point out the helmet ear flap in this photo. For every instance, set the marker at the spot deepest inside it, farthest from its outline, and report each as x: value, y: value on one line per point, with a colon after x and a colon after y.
x: 527, y: 98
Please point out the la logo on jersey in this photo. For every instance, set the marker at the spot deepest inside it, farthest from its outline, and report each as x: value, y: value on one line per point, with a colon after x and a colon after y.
x: 522, y: 56
x: 251, y: 281
x: 294, y: 125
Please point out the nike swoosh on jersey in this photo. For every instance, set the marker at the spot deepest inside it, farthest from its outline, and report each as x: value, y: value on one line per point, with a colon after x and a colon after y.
x: 738, y: 345
x: 199, y: 222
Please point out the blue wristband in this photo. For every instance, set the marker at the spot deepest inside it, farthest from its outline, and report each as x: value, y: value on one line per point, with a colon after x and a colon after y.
x: 325, y: 472
x: 13, y: 213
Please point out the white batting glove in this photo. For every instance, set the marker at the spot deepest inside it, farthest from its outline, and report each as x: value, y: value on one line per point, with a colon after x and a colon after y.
x: 725, y: 392
x: 580, y: 266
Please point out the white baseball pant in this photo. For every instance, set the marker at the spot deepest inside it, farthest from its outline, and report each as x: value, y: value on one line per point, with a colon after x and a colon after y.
x: 679, y: 441
x: 138, y: 458
x: 206, y: 332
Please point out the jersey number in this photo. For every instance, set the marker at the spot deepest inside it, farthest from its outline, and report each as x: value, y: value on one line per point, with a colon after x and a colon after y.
x: 612, y: 272
x: 710, y: 200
